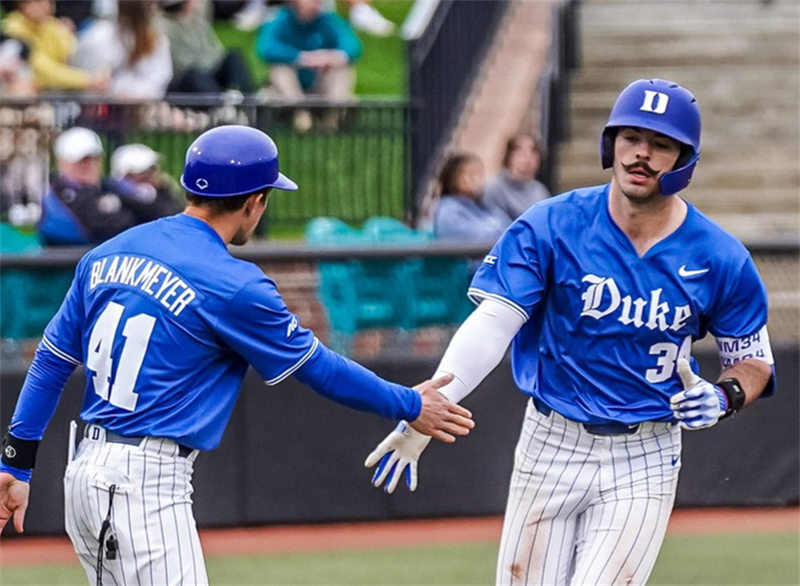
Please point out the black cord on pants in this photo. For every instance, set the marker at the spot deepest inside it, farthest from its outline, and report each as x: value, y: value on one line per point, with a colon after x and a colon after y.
x: 108, y: 545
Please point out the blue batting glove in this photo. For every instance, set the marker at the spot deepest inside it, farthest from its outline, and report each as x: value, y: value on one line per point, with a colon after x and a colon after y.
x: 397, y: 457
x: 700, y: 404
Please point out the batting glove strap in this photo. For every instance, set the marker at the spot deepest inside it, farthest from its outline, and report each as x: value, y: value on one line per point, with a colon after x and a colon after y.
x: 19, y: 453
x: 734, y: 396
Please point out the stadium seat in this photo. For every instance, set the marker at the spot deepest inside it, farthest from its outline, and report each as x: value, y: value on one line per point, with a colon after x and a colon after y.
x: 16, y: 241
x: 29, y: 298
x: 385, y: 230
x: 356, y: 295
x: 404, y: 294
x: 437, y: 286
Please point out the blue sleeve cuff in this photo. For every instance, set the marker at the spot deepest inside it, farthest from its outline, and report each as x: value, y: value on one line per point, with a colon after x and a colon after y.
x: 23, y: 474
x: 340, y: 379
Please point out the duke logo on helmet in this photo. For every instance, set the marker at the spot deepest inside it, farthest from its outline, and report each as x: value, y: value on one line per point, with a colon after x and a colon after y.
x: 659, y: 98
x: 661, y: 106
x: 232, y: 160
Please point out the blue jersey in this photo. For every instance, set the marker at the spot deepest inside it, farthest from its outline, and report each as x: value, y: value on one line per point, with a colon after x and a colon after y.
x: 165, y: 339
x: 606, y: 326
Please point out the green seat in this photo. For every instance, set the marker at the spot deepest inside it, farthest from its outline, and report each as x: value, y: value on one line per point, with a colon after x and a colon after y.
x: 16, y: 241
x: 356, y: 294
x: 29, y: 297
x: 331, y: 231
x: 436, y: 287
x: 439, y: 292
x: 385, y: 230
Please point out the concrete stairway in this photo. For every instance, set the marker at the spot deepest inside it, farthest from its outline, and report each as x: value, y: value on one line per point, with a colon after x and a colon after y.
x: 741, y: 58
x: 499, y: 105
x: 503, y: 99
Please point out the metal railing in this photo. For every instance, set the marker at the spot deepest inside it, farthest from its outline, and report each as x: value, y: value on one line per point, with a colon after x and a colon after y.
x: 564, y: 57
x: 354, y: 171
x: 295, y: 269
x: 443, y: 58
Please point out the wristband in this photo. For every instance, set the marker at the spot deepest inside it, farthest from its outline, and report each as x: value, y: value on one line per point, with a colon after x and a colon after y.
x: 734, y: 393
x: 19, y: 453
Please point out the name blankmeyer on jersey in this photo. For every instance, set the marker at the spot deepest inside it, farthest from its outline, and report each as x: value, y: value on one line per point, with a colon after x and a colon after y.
x: 146, y: 275
x: 603, y: 297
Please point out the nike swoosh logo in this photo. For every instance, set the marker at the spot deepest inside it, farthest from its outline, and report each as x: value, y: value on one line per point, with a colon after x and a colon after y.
x: 683, y: 272
x: 674, y: 460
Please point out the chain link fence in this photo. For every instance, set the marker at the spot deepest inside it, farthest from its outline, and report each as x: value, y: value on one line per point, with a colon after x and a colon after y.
x: 355, y: 170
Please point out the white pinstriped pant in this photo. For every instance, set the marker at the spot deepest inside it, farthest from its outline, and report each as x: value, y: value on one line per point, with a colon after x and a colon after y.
x: 151, y: 515
x: 587, y: 509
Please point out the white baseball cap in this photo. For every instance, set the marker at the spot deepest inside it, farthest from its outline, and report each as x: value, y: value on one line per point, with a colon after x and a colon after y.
x: 132, y: 158
x: 77, y: 143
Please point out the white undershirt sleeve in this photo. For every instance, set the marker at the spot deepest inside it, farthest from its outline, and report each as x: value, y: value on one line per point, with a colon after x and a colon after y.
x: 477, y: 347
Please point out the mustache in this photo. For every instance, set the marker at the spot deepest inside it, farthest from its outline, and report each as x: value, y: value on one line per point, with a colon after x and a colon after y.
x: 643, y: 166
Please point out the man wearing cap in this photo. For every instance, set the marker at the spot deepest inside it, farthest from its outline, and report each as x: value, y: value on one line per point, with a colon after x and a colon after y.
x: 82, y: 206
x: 166, y: 322
x: 139, y: 164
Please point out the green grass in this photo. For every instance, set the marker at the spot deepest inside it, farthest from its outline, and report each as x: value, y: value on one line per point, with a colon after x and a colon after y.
x: 381, y: 70
x: 685, y: 560
x: 772, y: 558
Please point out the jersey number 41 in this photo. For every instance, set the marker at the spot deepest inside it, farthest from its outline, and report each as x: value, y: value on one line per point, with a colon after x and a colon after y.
x: 136, y: 331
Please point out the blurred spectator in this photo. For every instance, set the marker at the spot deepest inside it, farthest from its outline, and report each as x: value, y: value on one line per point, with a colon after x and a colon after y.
x: 227, y: 9
x: 140, y: 164
x: 82, y: 206
x: 77, y: 13
x: 132, y: 48
x: 16, y: 77
x: 310, y: 53
x: 252, y: 15
x: 461, y: 213
x: 363, y: 16
x: 24, y: 161
x: 199, y: 61
x: 515, y: 188
x: 52, y: 44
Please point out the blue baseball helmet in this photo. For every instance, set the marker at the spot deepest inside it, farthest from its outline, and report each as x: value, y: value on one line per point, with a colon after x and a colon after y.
x: 665, y: 107
x: 232, y: 160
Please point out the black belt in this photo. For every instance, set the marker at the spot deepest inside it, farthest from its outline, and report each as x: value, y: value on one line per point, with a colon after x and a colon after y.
x: 131, y: 440
x: 610, y: 428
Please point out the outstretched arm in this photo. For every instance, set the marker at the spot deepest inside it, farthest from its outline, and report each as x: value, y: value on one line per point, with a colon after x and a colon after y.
x: 13, y: 500
x: 346, y: 382
x: 475, y: 350
x: 37, y: 402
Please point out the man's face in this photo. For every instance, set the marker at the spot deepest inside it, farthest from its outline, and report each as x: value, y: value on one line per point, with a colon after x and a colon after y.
x: 149, y: 176
x: 86, y: 171
x: 640, y: 157
x: 250, y: 221
x: 307, y: 10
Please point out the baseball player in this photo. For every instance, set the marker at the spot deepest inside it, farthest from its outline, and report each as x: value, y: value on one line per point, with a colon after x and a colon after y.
x: 603, y: 290
x: 165, y: 322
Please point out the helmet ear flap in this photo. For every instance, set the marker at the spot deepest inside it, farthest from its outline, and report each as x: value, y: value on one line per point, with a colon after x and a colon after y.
x: 680, y: 177
x: 607, y: 147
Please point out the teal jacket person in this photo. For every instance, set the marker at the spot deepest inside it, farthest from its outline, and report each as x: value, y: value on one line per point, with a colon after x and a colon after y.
x: 282, y: 40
